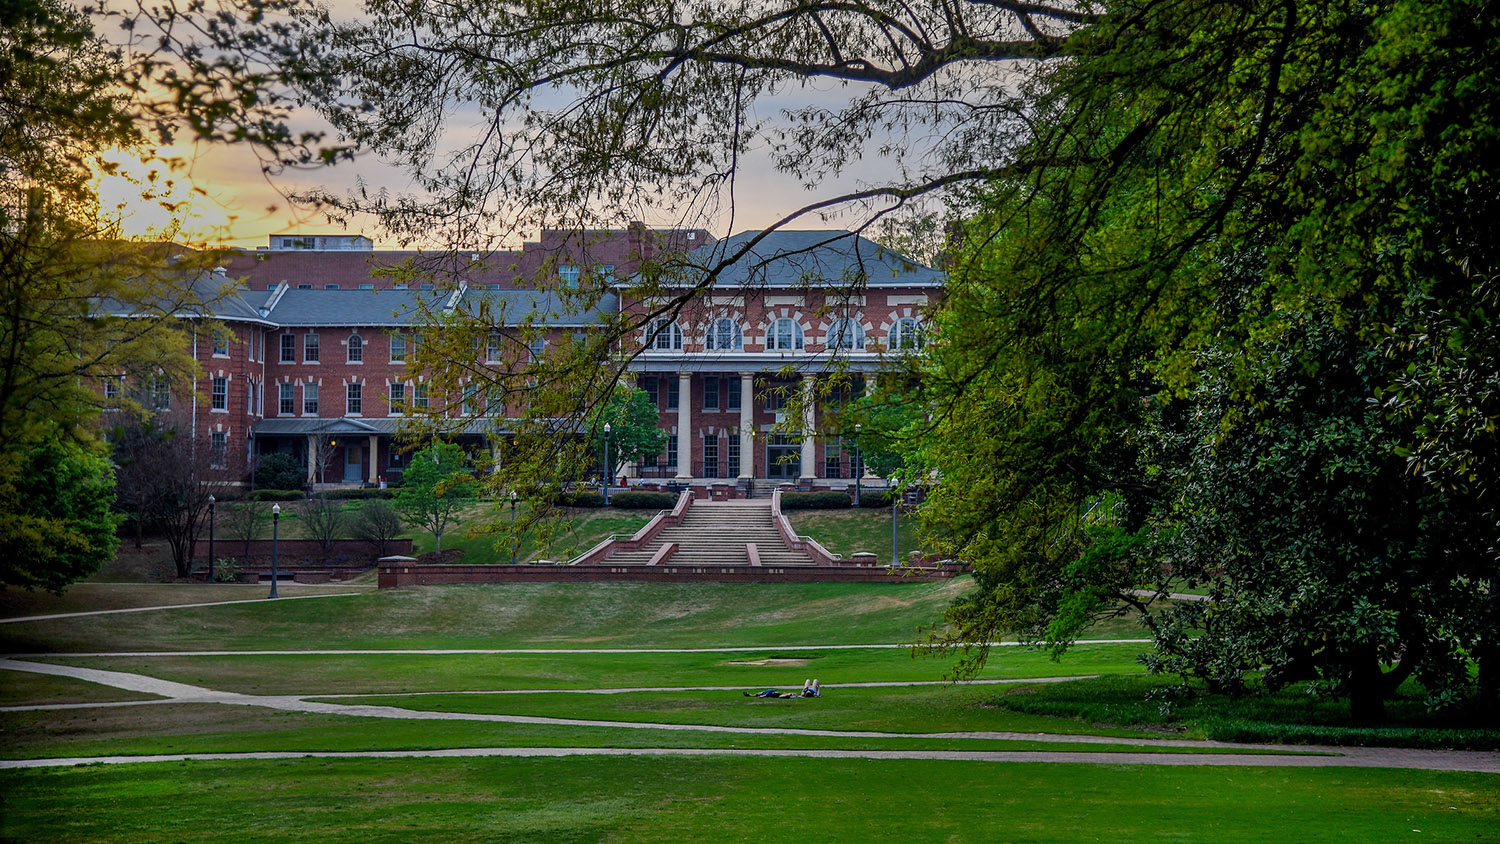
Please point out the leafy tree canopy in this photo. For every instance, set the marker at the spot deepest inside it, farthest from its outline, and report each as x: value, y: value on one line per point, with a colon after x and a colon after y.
x: 437, y: 484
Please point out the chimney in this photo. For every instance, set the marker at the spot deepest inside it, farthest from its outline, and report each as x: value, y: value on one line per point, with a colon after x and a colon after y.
x: 639, y: 241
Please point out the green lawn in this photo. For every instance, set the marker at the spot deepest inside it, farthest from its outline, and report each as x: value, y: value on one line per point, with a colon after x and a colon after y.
x: 731, y: 799
x: 592, y: 615
x: 844, y: 532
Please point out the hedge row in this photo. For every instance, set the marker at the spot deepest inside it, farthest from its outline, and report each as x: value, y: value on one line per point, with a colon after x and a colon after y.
x: 276, y: 495
x: 359, y: 493
x: 641, y: 500
x: 814, y: 500
x: 874, y: 499
x: 582, y: 498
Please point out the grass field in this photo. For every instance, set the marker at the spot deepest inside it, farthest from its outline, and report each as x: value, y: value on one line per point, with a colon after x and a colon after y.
x: 518, y: 700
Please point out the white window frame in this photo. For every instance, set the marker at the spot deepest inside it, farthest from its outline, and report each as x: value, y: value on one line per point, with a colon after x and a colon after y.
x: 798, y: 338
x: 717, y: 332
x: 354, y: 399
x: 356, y: 349
x: 398, y: 348
x: 906, y: 333
x: 312, y: 343
x: 397, y: 403
x: 288, y: 348
x: 219, y: 394
x: 286, y: 399
x: 218, y: 449
x: 847, y: 334
x: 221, y: 343
x: 664, y: 335
x: 310, y: 406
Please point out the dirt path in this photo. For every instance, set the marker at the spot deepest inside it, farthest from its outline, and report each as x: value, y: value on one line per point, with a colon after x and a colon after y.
x: 1484, y: 762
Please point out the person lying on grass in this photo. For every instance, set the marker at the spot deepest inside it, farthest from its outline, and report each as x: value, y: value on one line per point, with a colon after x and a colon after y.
x: 810, y: 688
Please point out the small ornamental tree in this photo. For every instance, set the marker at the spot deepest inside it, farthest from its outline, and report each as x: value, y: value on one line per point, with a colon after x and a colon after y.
x: 434, y: 488
x: 633, y: 434
x: 279, y: 470
x: 58, y: 527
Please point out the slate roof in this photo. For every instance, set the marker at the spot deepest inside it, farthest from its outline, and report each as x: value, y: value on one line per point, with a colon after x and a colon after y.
x: 550, y: 309
x: 812, y: 258
x: 380, y: 308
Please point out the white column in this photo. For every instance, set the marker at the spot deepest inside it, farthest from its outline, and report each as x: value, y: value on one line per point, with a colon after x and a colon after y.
x: 747, y: 424
x: 374, y: 466
x: 869, y: 391
x: 809, y: 425
x: 312, y: 459
x: 684, y: 426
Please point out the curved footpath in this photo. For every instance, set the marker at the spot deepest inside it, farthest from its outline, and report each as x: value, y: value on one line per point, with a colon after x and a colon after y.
x: 1361, y: 757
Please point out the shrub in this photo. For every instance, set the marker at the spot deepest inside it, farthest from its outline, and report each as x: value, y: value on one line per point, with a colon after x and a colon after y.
x: 815, y: 500
x: 641, y: 500
x: 276, y: 495
x: 378, y: 523
x: 875, y: 499
x: 582, y: 498
x: 279, y: 471
x: 358, y: 494
x: 226, y: 570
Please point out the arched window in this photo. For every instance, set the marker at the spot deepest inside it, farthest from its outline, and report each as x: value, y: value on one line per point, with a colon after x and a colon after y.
x: 664, y: 336
x: 785, y: 335
x: 906, y: 334
x: 356, y: 349
x: 846, y: 334
x: 724, y: 335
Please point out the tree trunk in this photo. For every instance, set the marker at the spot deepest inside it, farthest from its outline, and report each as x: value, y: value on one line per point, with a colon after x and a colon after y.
x: 1367, y: 690
x: 438, y: 544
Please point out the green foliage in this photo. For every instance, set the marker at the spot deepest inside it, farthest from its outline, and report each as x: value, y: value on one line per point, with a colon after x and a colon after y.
x: 643, y: 500
x: 582, y: 498
x: 226, y: 570
x: 875, y: 499
x: 279, y: 471
x: 815, y: 500
x: 57, y: 528
x: 1198, y: 301
x: 634, y: 435
x: 435, y: 487
x: 359, y: 494
x: 276, y: 495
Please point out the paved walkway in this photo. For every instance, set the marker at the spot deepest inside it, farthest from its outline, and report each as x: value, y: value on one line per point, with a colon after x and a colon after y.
x: 52, y: 616
x: 181, y: 693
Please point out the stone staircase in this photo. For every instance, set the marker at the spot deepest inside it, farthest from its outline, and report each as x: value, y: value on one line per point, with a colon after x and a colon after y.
x: 715, y: 533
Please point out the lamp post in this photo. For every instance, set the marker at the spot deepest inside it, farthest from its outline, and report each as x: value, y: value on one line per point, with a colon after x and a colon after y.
x: 275, y: 526
x: 513, y: 527
x: 609, y: 469
x: 895, y: 500
x: 858, y: 466
x: 210, y: 538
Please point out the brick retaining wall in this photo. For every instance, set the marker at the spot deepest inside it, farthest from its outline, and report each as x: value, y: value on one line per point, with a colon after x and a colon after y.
x: 392, y: 577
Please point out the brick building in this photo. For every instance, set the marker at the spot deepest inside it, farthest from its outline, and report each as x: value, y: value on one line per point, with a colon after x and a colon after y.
x: 313, y: 356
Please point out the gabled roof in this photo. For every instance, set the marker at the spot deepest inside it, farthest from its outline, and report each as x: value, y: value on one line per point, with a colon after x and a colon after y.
x: 391, y: 308
x: 819, y: 258
x: 549, y: 308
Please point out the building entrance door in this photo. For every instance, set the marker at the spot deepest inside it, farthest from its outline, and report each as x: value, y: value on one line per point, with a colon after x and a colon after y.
x: 783, y: 457
x: 353, y: 464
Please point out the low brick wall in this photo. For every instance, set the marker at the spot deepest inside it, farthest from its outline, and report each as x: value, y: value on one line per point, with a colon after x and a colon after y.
x: 351, y: 549
x: 392, y: 577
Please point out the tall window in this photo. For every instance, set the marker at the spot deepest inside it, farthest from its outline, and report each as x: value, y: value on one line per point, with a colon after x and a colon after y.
x: 711, y: 456
x: 734, y: 458
x: 309, y: 399
x: 906, y: 334
x: 161, y: 393
x: 846, y: 334
x: 356, y: 349
x: 354, y: 399
x: 832, y: 460
x: 785, y: 335
x: 288, y: 348
x: 724, y: 335
x: 220, y: 394
x: 255, y: 399
x: 419, y: 397
x: 111, y: 389
x: 398, y: 397
x: 310, y: 348
x: 536, y: 347
x: 492, y: 347
x: 470, y: 400
x: 672, y: 451
x: 732, y: 400
x: 710, y: 394
x: 650, y: 385
x: 218, y: 449
x: 672, y: 393
x: 665, y: 335
x: 221, y: 342
x: 286, y: 403
x: 398, y: 348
